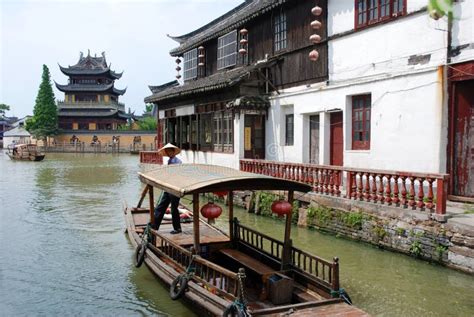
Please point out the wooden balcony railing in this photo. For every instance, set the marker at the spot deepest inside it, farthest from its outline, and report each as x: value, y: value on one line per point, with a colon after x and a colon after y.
x: 324, y: 179
x: 271, y: 247
x: 414, y: 191
x: 150, y: 157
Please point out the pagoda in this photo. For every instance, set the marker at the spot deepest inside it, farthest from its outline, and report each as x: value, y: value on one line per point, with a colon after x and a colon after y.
x: 91, y: 101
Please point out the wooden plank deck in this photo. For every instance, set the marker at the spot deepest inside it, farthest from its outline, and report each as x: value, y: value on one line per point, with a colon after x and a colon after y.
x: 207, y: 234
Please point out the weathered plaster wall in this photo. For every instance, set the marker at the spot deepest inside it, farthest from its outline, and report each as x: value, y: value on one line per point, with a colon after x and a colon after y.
x: 408, y: 117
x: 463, y: 31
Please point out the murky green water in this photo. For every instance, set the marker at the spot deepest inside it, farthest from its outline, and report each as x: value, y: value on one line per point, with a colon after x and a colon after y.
x: 63, y: 250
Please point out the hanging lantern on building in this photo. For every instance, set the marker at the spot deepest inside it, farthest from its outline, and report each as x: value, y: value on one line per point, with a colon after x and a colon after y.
x: 178, y: 68
x: 314, y: 55
x: 281, y: 207
x: 243, y: 41
x: 317, y: 11
x: 201, y: 56
x: 316, y: 25
x: 211, y: 211
x: 315, y: 38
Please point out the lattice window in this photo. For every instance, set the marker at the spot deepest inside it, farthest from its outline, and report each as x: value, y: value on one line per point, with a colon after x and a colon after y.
x: 373, y: 11
x: 227, y: 50
x: 361, y: 108
x: 190, y: 64
x: 280, y: 31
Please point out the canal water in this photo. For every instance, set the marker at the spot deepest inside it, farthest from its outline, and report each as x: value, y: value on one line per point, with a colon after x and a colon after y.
x: 63, y: 250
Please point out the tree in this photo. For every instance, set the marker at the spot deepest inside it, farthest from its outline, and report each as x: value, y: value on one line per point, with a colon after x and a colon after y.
x: 148, y: 108
x: 147, y: 124
x: 44, y: 122
x: 4, y: 108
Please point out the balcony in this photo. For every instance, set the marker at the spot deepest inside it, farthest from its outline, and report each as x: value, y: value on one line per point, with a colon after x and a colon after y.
x: 91, y: 105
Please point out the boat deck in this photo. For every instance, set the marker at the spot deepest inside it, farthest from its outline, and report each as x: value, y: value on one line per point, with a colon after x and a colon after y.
x: 207, y: 233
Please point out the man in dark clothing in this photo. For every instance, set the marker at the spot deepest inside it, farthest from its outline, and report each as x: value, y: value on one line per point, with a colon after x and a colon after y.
x: 171, y: 151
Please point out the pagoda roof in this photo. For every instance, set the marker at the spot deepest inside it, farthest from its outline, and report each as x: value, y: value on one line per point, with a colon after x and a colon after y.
x: 94, y: 113
x: 90, y: 65
x: 90, y: 88
x: 229, y: 21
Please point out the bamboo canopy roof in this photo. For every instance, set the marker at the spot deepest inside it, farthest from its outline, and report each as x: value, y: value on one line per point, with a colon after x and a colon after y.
x: 185, y: 179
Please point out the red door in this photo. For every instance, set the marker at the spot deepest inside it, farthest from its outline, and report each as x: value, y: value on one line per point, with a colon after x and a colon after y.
x: 463, y: 182
x: 337, y: 139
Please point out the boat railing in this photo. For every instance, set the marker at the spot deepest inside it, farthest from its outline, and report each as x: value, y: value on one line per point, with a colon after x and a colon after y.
x: 213, y: 277
x: 259, y: 241
x: 324, y: 271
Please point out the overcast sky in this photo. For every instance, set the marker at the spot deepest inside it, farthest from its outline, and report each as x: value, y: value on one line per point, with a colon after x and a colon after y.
x: 132, y: 33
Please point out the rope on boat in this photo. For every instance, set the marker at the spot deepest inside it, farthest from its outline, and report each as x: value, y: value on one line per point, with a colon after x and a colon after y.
x: 142, y: 246
x: 239, y: 305
x: 341, y: 293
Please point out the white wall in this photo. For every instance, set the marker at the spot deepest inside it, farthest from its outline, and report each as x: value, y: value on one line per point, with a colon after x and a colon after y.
x: 407, y: 123
x: 463, y: 30
x: 386, y: 48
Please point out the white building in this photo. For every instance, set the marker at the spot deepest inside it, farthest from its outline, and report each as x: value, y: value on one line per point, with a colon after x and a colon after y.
x: 18, y: 134
x: 393, y: 88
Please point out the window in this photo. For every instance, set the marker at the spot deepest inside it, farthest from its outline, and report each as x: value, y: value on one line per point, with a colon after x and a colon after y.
x: 227, y: 50
x: 280, y: 31
x: 190, y: 64
x: 222, y: 131
x: 369, y: 12
x: 361, y: 122
x: 205, y: 131
x: 289, y: 129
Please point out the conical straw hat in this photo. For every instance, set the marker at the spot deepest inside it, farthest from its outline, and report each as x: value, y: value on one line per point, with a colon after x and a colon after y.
x: 176, y: 149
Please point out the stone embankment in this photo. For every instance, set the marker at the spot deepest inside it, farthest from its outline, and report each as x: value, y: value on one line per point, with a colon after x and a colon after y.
x: 410, y: 232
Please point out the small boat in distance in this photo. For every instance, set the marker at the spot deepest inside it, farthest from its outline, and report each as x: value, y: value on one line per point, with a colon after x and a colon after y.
x: 25, y: 152
x: 240, y: 273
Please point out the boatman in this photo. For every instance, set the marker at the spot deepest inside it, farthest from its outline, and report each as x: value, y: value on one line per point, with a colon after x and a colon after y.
x: 171, y: 151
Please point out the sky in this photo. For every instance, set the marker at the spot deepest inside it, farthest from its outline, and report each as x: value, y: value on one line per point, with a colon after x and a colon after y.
x: 132, y: 34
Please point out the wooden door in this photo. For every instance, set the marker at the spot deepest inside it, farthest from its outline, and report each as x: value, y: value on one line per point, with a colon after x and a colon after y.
x: 337, y: 138
x: 254, y: 137
x: 463, y: 182
x: 314, y: 139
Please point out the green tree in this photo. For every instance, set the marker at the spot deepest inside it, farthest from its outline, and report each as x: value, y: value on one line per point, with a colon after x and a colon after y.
x: 148, y: 107
x: 148, y: 124
x: 4, y: 108
x: 44, y: 122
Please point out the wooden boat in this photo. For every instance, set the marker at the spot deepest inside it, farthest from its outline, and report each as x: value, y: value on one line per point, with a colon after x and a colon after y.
x: 245, y: 272
x: 25, y: 152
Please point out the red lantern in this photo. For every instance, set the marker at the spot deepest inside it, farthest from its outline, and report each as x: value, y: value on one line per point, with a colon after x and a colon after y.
x: 314, y: 55
x: 220, y: 194
x: 211, y: 211
x: 316, y: 11
x: 281, y: 207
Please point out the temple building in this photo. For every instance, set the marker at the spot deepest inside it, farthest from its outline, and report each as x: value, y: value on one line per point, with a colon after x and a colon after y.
x: 91, y: 101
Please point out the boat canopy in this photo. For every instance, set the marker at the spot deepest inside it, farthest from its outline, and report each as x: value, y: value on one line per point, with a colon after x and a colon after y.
x: 185, y: 179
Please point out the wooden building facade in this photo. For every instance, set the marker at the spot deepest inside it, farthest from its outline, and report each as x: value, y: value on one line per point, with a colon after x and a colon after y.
x: 230, y: 67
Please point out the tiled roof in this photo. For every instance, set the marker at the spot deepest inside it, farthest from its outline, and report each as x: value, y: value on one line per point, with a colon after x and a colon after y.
x: 110, y: 113
x: 90, y: 87
x: 219, y: 80
x: 157, y: 89
x: 90, y: 65
x: 233, y: 19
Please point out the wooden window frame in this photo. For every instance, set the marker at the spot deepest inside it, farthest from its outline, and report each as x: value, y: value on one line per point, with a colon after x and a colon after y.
x: 289, y: 138
x: 365, y: 117
x: 372, y: 12
x: 190, y: 66
x: 227, y: 52
x: 280, y: 31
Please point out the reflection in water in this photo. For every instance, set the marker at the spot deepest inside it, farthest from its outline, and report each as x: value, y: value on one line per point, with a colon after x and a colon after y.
x: 63, y: 250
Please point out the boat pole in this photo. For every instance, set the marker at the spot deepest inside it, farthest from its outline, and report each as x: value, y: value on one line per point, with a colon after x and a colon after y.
x: 197, y: 248
x: 230, y: 200
x: 286, y: 259
x: 152, y: 203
